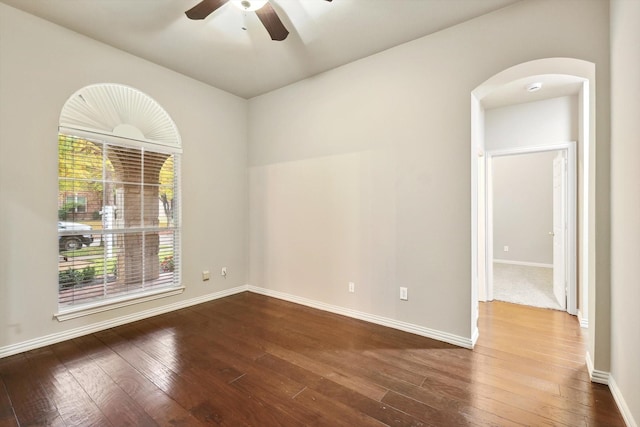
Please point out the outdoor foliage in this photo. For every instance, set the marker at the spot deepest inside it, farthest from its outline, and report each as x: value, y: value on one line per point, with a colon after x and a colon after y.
x: 70, y: 278
x: 83, y: 168
x: 166, y: 188
x: 168, y: 264
x: 65, y: 210
x: 79, y: 165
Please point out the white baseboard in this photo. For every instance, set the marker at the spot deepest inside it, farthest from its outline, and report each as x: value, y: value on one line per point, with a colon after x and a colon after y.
x: 32, y: 344
x: 600, y: 377
x: 622, y: 404
x: 100, y: 326
x: 475, y: 336
x: 372, y: 318
x: 584, y: 322
x: 528, y: 264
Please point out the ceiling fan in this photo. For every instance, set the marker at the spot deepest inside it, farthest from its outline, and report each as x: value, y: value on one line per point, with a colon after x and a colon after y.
x: 262, y: 8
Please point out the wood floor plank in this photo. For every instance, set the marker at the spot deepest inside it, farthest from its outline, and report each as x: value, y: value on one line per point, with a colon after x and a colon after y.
x: 203, y: 404
x: 7, y: 416
x: 452, y: 413
x: 213, y: 374
x: 336, y: 413
x: 331, y: 389
x: 277, y: 394
x: 350, y: 380
x: 114, y: 403
x: 73, y: 403
x: 156, y: 403
x: 31, y: 402
x: 249, y: 359
x: 261, y: 340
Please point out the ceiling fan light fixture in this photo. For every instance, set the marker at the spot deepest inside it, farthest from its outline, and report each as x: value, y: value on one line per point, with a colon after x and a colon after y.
x: 249, y: 5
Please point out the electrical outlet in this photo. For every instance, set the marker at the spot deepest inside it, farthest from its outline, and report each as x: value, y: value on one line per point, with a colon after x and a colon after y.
x: 223, y: 272
x: 206, y: 275
x: 404, y: 293
x: 352, y: 287
x: 506, y: 248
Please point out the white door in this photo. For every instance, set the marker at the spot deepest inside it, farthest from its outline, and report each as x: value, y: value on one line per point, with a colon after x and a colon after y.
x: 559, y: 229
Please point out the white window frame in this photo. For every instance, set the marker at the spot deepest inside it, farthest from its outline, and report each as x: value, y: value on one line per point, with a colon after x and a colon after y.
x: 98, y: 112
x: 68, y: 312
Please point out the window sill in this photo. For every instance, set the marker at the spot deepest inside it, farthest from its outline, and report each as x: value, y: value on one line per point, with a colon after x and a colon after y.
x: 89, y: 309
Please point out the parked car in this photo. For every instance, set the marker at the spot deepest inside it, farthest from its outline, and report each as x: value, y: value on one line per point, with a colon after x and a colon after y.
x: 72, y: 242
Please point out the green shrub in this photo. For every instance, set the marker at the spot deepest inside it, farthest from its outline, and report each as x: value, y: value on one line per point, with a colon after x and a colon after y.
x: 87, y: 274
x: 67, y: 210
x: 70, y: 278
x: 67, y: 279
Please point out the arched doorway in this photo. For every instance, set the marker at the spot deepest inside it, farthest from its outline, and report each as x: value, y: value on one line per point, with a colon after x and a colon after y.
x: 507, y: 88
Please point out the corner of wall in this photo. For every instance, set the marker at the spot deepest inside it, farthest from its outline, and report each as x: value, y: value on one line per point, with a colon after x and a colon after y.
x: 596, y: 376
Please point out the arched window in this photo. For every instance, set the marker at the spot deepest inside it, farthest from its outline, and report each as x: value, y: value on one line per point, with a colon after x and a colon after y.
x: 118, y: 199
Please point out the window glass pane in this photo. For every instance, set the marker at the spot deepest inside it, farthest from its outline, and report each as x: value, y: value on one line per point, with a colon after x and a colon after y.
x: 117, y: 230
x: 166, y: 191
x: 78, y: 161
x: 75, y: 204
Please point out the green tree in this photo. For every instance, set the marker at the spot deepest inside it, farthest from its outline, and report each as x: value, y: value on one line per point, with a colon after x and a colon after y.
x: 167, y: 187
x: 79, y: 165
x: 80, y: 170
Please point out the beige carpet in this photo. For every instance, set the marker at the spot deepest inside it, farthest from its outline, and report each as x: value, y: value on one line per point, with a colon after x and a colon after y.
x: 525, y: 285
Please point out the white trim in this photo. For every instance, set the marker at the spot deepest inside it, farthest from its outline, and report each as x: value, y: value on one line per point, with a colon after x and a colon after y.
x: 600, y: 377
x: 526, y: 263
x: 101, y: 108
x: 596, y: 376
x: 529, y: 149
x: 622, y: 404
x: 23, y: 346
x: 372, y: 318
x: 477, y: 152
x: 475, y: 336
x: 584, y: 321
x: 112, y: 304
x: 100, y: 136
x: 572, y: 196
x: 585, y: 136
x: 488, y: 227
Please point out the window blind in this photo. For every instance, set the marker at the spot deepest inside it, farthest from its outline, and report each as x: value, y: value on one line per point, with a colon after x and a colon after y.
x: 125, y: 239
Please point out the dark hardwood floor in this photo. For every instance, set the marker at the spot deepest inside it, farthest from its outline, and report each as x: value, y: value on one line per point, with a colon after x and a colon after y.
x: 253, y: 360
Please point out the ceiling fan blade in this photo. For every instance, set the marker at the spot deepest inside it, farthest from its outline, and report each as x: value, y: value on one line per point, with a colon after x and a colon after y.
x: 204, y: 8
x: 272, y: 22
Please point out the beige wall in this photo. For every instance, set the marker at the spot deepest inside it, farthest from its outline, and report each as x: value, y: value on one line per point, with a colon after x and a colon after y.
x: 523, y: 207
x: 41, y: 65
x: 532, y: 124
x: 358, y: 174
x: 625, y: 201
x: 380, y: 148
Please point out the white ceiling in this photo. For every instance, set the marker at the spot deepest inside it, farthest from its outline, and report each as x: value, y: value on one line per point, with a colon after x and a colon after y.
x: 217, y: 51
x: 515, y: 92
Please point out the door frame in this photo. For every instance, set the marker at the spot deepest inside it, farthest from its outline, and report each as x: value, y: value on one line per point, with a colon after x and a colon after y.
x: 559, y: 227
x: 571, y: 202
